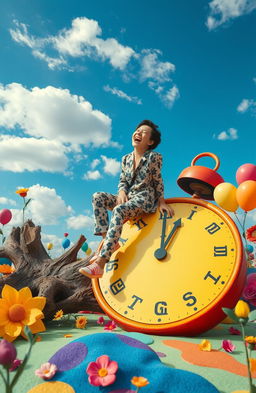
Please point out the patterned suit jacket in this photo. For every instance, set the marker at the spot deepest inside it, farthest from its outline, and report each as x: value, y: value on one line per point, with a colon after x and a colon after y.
x: 145, y: 182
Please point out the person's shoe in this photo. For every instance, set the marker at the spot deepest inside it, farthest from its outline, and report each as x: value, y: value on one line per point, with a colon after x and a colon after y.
x: 92, y: 271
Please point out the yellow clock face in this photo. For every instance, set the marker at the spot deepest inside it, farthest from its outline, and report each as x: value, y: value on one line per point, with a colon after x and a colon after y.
x: 171, y: 269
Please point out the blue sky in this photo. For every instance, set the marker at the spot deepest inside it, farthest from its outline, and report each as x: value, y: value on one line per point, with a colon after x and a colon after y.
x: 77, y: 77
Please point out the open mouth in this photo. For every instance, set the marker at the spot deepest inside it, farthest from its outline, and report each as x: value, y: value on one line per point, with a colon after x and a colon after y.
x: 137, y: 139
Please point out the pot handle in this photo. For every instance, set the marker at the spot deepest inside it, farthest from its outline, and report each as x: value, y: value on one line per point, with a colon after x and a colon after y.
x: 207, y: 154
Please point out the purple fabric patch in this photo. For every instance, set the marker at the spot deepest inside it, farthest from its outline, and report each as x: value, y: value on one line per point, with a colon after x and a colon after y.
x: 132, y: 342
x: 161, y: 354
x: 69, y: 356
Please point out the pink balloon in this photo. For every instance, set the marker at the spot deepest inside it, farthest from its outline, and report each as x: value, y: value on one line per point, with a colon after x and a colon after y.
x: 246, y: 172
x: 5, y: 216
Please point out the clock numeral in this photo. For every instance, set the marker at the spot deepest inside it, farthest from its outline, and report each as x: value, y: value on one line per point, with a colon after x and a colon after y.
x: 188, y: 297
x: 140, y: 224
x: 161, y: 308
x: 209, y: 275
x: 112, y: 265
x: 123, y: 241
x: 191, y: 214
x: 117, y: 286
x: 220, y: 251
x: 211, y: 229
x: 137, y: 299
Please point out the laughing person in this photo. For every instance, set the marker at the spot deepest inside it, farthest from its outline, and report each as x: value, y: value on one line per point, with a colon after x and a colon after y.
x: 140, y: 190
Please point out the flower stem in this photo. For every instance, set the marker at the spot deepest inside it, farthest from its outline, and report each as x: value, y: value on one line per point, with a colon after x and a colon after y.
x: 252, y: 390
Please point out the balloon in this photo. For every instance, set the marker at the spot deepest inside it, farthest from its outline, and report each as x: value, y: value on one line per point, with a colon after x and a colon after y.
x: 66, y: 234
x: 49, y: 246
x: 5, y: 261
x: 5, y: 216
x: 84, y: 247
x: 249, y: 248
x: 66, y: 243
x: 246, y: 172
x: 246, y: 195
x: 89, y: 251
x: 225, y: 195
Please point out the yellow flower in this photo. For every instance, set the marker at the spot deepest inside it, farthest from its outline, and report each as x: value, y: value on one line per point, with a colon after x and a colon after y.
x: 81, y: 322
x: 242, y: 309
x: 205, y: 345
x: 22, y: 192
x: 18, y: 309
x: 58, y: 315
x: 139, y: 381
x: 250, y: 339
x: 68, y: 335
x: 252, y: 364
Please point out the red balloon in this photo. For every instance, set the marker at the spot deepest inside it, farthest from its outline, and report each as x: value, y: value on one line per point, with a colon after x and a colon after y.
x: 5, y: 216
x: 246, y: 172
x: 65, y: 234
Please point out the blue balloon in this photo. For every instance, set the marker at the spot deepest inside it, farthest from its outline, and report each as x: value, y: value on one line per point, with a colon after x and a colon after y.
x: 84, y: 247
x: 249, y: 248
x: 5, y: 261
x: 65, y: 243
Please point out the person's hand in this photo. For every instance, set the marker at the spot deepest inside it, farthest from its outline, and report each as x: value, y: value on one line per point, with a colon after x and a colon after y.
x: 121, y: 198
x: 163, y: 207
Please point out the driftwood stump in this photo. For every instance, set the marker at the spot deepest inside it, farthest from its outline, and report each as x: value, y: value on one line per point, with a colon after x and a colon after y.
x: 57, y: 279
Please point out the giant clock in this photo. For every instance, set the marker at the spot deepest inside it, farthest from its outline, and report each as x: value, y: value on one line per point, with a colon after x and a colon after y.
x: 173, y: 275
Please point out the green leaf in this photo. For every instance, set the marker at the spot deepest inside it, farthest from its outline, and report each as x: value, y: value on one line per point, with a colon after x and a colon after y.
x: 230, y: 313
x: 1, y: 232
x: 26, y: 204
x: 252, y: 316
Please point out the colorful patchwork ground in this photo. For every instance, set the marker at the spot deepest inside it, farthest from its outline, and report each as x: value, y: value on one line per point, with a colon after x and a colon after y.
x: 171, y: 364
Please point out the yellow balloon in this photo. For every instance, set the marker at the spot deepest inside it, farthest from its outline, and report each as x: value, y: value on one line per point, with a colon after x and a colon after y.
x: 49, y: 246
x: 225, y: 195
x: 88, y: 251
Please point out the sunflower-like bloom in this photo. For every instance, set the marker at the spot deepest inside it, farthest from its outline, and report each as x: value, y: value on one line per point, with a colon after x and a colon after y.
x: 139, y: 381
x: 19, y: 309
x: 81, y: 322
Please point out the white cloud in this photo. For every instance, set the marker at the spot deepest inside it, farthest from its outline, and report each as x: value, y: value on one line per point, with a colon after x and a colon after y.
x: 7, y: 201
x: 222, y: 11
x: 82, y: 39
x: 92, y: 175
x: 31, y: 154
x: 245, y: 105
x: 95, y: 163
x: 111, y: 165
x: 57, y: 249
x: 46, y: 206
x: 230, y: 134
x: 171, y: 96
x: 80, y: 222
x: 122, y: 94
x: 54, y: 114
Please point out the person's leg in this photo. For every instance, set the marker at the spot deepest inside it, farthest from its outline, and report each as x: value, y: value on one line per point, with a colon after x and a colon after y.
x: 101, y: 203
x: 130, y: 209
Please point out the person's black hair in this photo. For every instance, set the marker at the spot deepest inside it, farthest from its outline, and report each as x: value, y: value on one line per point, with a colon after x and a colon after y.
x: 155, y: 133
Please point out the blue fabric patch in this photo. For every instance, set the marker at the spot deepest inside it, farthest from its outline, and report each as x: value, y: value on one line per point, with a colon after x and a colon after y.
x: 134, y: 359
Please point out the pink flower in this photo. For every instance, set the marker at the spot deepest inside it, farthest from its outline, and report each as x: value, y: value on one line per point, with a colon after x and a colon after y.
x: 46, y: 371
x: 100, y: 321
x: 234, y: 331
x: 249, y: 293
x: 228, y: 346
x: 102, y: 372
x: 7, y: 353
x: 15, y: 364
x: 110, y: 325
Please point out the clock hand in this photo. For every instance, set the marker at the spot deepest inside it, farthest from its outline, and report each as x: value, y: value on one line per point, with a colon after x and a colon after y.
x: 161, y: 252
x: 177, y: 224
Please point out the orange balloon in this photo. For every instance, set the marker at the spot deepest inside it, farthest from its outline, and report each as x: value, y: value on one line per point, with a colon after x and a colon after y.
x: 246, y: 195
